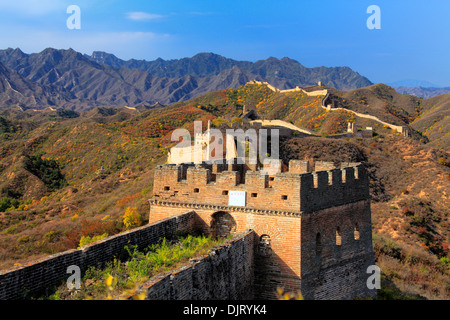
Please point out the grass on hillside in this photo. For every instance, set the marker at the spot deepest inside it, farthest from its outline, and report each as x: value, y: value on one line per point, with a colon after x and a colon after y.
x: 61, y: 181
x: 410, y: 273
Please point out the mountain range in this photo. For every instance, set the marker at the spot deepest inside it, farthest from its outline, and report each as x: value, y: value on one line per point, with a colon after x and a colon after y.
x: 412, y: 83
x: 423, y: 92
x: 71, y: 80
x: 419, y: 88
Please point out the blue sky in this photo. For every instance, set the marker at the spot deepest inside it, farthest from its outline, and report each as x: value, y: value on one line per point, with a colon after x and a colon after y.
x: 413, y: 42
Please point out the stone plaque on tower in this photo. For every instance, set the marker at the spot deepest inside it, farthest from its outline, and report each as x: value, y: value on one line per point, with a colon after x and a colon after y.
x: 236, y: 198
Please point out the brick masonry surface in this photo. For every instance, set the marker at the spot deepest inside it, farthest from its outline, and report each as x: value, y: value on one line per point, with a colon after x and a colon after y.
x: 226, y: 273
x: 313, y: 228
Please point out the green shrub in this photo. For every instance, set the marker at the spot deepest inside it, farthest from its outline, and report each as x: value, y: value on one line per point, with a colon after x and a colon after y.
x: 445, y: 261
x: 11, y: 229
x: 237, y: 120
x: 51, y: 235
x: 85, y: 240
x: 444, y: 162
x: 11, y: 193
x: 217, y: 122
x: 48, y: 170
x: 67, y: 114
x: 7, y: 203
x: 388, y: 247
x: 6, y: 126
x: 24, y: 239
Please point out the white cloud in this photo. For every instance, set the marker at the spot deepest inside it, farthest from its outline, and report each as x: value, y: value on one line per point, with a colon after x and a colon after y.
x: 143, y: 16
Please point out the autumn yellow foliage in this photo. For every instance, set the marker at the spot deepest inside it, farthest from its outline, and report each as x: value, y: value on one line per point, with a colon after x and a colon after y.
x: 131, y: 218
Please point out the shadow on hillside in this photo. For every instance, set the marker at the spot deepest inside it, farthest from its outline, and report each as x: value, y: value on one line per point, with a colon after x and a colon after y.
x: 389, y: 291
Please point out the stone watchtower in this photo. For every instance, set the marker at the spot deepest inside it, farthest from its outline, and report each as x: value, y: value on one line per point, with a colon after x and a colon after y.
x: 313, y: 225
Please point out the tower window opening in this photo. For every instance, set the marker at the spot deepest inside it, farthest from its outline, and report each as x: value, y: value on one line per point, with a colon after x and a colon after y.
x: 338, y: 237
x: 356, y: 231
x: 318, y: 244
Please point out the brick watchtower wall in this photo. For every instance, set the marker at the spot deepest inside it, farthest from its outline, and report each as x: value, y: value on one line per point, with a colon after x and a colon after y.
x: 336, y: 234
x: 336, y: 250
x: 298, y: 218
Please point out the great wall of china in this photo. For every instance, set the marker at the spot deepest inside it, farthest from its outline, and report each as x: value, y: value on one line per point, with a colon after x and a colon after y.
x: 286, y: 234
x: 312, y: 224
x: 226, y: 273
x: 404, y: 130
x: 304, y: 229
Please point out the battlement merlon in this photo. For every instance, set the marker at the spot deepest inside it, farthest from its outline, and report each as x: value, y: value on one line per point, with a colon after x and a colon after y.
x: 204, y: 172
x: 315, y: 190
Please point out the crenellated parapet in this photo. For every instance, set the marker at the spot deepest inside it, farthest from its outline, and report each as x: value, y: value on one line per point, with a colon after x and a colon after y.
x: 325, y: 189
x: 300, y: 188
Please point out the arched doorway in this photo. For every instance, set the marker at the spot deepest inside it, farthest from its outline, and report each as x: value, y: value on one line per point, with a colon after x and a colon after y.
x: 222, y: 224
x: 265, y: 246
